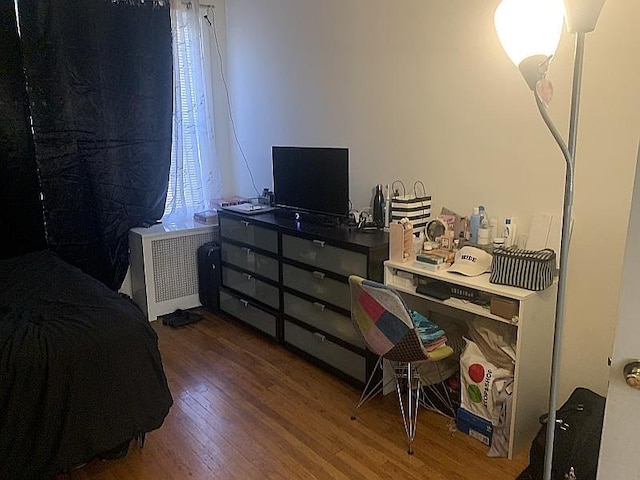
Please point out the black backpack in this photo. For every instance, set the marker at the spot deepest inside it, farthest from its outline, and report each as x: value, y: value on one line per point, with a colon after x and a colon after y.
x: 577, y: 439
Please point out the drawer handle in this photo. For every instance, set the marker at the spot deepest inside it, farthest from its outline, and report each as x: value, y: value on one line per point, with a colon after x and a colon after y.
x: 247, y: 250
x: 318, y: 275
x: 244, y: 302
x: 248, y: 275
x: 245, y: 223
x: 319, y: 337
x: 318, y: 243
x: 319, y: 305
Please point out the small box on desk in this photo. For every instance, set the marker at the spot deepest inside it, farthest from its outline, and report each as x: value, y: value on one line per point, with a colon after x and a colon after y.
x: 430, y: 258
x: 504, y: 307
x: 403, y: 279
x: 401, y: 242
x: 474, y: 426
x: 207, y: 217
x: 430, y: 267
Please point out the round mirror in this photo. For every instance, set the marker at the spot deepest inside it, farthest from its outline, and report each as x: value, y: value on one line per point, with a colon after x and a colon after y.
x: 435, y: 228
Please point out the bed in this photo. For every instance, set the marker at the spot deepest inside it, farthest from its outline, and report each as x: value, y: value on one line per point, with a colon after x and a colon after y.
x: 80, y: 370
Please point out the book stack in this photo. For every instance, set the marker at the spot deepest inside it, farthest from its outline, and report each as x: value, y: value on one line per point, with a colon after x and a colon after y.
x: 207, y: 217
x: 430, y: 261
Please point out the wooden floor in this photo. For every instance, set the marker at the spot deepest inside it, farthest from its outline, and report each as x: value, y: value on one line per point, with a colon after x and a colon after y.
x: 246, y: 408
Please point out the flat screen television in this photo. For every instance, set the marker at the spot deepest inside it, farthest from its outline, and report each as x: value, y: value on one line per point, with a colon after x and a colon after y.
x: 311, y: 179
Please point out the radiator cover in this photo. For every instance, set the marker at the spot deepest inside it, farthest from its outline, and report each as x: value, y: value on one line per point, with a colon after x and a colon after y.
x: 164, y: 267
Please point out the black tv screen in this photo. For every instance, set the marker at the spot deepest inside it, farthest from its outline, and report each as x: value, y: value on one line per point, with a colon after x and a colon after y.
x: 311, y: 179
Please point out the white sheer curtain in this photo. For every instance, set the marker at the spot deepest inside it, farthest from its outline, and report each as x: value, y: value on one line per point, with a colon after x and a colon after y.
x: 194, y: 178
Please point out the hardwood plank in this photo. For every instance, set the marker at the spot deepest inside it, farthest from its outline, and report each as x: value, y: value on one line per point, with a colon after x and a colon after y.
x: 246, y: 408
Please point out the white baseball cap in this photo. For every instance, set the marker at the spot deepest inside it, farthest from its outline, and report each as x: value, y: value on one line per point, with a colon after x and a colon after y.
x: 471, y: 261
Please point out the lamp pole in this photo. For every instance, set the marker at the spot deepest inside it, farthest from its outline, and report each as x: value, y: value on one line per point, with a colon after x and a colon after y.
x: 569, y: 153
x: 532, y: 57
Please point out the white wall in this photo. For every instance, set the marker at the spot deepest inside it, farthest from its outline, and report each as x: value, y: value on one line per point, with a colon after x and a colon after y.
x: 421, y: 90
x: 215, y: 46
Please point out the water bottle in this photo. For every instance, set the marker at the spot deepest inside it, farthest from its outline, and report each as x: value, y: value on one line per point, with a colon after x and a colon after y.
x: 474, y: 225
x: 378, y: 207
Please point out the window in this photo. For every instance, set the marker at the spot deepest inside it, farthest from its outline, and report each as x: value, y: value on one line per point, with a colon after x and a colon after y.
x: 194, y: 178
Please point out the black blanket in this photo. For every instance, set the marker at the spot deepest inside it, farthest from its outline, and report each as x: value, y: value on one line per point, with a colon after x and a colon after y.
x: 80, y: 370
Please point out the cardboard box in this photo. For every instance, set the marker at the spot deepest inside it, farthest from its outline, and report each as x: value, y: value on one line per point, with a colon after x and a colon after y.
x: 474, y: 426
x: 504, y: 307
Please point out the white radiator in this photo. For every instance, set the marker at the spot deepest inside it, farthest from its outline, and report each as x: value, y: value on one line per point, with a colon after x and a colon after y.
x: 164, y: 266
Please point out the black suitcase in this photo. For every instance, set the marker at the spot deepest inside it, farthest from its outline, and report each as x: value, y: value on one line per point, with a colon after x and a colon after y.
x: 577, y: 439
x: 209, y: 275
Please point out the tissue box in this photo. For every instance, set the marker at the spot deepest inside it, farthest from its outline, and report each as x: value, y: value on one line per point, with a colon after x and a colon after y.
x: 474, y: 426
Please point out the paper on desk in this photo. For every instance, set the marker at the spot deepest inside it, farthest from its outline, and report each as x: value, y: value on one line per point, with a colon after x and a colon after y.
x: 545, y: 231
x: 539, y: 231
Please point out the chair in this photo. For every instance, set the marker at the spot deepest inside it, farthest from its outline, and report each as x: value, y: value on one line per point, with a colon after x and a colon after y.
x: 385, y: 322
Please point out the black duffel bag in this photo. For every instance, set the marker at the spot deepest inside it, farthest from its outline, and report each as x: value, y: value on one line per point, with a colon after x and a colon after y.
x: 577, y: 439
x: 209, y: 275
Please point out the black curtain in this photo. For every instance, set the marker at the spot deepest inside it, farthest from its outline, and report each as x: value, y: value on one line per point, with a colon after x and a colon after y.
x: 100, y: 89
x: 20, y: 207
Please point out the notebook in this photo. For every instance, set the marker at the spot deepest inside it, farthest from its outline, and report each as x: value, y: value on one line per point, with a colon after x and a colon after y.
x: 248, y: 208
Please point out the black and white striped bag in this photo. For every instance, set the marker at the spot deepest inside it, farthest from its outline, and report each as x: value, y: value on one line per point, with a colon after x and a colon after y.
x: 530, y: 269
x: 415, y: 206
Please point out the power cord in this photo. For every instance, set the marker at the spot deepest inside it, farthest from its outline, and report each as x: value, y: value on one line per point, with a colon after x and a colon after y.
x: 211, y: 9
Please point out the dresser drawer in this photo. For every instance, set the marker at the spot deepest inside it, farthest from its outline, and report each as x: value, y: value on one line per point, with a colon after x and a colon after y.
x: 318, y: 346
x: 316, y: 315
x: 317, y: 285
x: 251, y: 286
x: 247, y: 259
x: 245, y: 232
x: 318, y: 254
x: 250, y: 314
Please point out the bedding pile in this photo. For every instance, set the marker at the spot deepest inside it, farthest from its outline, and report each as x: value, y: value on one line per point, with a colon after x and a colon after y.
x: 80, y: 369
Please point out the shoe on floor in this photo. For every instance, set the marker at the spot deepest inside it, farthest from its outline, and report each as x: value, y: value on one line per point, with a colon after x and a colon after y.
x: 180, y: 318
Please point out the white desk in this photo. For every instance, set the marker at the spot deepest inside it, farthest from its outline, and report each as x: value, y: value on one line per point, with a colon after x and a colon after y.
x: 534, y: 324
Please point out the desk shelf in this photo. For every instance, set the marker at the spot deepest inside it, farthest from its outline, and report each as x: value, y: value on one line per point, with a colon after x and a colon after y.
x: 456, y: 303
x: 534, y: 323
x: 481, y: 282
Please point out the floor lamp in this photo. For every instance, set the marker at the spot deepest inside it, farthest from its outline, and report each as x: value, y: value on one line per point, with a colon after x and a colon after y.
x: 529, y: 31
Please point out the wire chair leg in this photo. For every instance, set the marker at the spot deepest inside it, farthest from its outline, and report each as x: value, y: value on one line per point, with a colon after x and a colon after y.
x: 369, y: 392
x: 442, y: 395
x: 409, y: 407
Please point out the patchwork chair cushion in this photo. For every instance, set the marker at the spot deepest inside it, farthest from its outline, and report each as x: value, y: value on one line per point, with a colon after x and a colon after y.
x: 388, y: 328
x: 385, y: 322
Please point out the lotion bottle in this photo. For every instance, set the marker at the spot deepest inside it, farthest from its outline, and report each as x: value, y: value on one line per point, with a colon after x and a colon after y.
x: 509, y: 232
x: 484, y: 235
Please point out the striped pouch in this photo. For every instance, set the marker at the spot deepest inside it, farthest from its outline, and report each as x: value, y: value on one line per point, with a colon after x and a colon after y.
x: 530, y: 269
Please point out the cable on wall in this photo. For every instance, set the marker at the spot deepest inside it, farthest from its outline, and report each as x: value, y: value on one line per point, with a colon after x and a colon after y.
x: 211, y: 11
